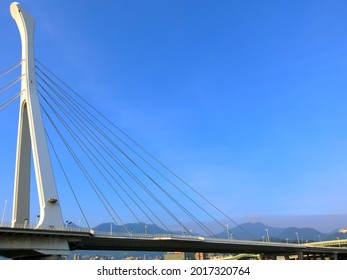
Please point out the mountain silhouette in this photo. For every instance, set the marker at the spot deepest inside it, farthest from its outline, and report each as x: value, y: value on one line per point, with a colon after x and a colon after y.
x: 141, y: 228
x: 246, y: 231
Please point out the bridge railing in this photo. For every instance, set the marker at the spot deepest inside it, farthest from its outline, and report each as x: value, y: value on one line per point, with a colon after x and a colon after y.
x: 103, y: 234
x: 177, y: 237
x: 155, y: 236
x: 109, y: 233
x: 34, y: 226
x: 145, y: 235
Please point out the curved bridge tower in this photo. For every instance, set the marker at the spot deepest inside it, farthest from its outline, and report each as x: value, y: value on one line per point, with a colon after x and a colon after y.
x: 32, y: 139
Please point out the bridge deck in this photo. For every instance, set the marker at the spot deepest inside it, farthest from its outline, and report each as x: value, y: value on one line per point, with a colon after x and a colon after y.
x: 84, y: 239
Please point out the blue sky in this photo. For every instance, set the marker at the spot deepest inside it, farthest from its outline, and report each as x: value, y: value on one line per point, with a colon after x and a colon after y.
x: 246, y: 100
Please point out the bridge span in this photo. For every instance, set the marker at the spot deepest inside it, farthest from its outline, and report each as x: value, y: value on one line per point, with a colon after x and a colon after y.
x: 21, y: 242
x: 111, y: 157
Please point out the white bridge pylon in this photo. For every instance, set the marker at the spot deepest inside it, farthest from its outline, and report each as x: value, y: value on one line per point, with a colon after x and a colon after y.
x: 32, y: 138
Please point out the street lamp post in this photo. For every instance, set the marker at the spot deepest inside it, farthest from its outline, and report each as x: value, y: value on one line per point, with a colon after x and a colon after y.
x: 267, y: 235
x: 338, y: 239
x: 297, y: 237
x: 3, y: 213
x: 67, y: 224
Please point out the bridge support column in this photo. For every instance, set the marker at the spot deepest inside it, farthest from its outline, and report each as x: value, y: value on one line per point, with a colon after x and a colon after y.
x: 31, y: 137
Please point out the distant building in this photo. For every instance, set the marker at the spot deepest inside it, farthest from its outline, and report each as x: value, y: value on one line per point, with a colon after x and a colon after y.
x: 183, y: 256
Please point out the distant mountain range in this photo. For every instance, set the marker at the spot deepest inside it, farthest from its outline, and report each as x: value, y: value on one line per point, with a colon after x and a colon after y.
x: 259, y: 231
x: 246, y: 231
x: 130, y: 228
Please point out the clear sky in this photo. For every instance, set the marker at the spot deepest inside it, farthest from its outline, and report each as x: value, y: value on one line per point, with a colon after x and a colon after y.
x: 246, y: 100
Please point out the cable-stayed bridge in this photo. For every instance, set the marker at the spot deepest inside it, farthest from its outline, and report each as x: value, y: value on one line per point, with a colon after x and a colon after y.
x: 98, y: 171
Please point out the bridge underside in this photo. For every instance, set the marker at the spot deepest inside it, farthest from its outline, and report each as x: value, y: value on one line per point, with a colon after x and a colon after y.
x: 42, y: 244
x: 35, y: 243
x: 22, y: 254
x: 268, y: 250
x: 33, y: 247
